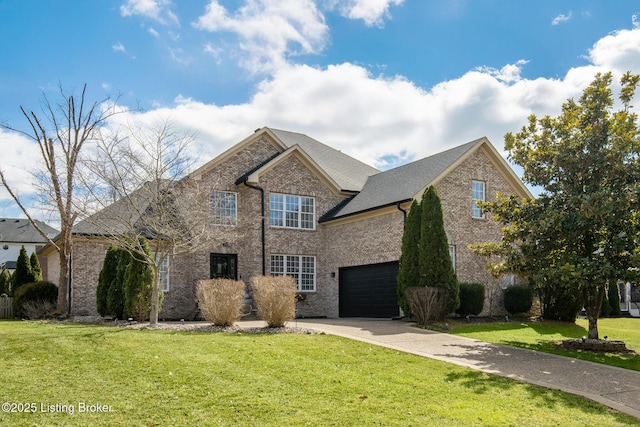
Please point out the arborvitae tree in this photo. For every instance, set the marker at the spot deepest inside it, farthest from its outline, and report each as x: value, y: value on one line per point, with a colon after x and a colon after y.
x: 23, y: 273
x: 35, y: 267
x: 106, y: 278
x: 138, y: 285
x: 5, y: 282
x: 115, y: 294
x: 436, y: 268
x: 409, y: 271
x: 613, y: 294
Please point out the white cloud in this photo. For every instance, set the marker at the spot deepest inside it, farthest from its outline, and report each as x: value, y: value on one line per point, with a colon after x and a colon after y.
x: 153, y: 32
x: 618, y: 51
x: 119, y: 47
x: 561, y: 18
x: 372, y: 12
x: 269, y: 31
x: 157, y: 10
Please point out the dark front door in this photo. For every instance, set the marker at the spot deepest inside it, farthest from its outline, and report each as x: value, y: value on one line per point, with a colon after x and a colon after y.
x: 224, y: 266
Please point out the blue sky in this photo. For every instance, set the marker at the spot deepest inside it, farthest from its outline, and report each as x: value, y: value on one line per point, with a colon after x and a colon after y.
x: 387, y: 81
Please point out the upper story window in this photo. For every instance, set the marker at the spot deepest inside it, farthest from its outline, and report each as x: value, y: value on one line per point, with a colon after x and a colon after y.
x: 290, y: 211
x: 477, y: 193
x: 223, y: 208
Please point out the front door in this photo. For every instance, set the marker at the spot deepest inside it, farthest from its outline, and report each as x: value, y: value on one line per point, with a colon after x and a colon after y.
x: 224, y: 266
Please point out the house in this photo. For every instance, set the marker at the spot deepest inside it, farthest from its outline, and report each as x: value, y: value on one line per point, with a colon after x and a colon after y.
x: 283, y: 203
x: 18, y: 232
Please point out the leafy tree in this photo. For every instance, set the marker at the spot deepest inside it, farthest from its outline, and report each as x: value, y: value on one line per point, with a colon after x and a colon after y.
x: 436, y: 268
x: 23, y: 273
x: 5, y: 282
x: 138, y: 285
x: 35, y: 267
x: 106, y: 279
x: 115, y: 294
x: 582, y: 231
x: 409, y: 270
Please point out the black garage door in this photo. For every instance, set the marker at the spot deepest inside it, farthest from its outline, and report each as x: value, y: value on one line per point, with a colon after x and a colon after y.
x: 369, y: 290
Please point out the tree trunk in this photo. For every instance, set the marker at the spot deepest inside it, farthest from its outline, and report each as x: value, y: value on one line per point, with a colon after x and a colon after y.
x: 155, y: 297
x: 593, y: 302
x: 65, y: 272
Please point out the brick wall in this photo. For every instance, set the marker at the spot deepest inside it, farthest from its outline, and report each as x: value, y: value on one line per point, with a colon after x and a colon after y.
x: 88, y: 257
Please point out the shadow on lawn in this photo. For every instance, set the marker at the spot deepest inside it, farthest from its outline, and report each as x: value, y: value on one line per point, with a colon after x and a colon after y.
x: 482, y: 383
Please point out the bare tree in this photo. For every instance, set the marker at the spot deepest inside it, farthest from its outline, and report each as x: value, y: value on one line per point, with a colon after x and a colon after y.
x: 61, y: 132
x: 137, y: 181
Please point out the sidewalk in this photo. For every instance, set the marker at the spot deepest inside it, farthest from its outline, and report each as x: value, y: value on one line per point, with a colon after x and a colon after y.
x: 614, y: 387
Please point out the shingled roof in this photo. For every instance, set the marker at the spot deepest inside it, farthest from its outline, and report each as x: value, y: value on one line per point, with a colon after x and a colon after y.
x: 403, y: 183
x: 17, y: 230
x: 350, y: 174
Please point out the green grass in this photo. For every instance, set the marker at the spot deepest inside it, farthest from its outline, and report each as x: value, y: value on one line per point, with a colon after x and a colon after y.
x: 544, y: 336
x: 164, y: 378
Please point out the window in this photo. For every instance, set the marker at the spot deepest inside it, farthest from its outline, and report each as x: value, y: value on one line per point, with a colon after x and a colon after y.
x: 163, y: 272
x: 452, y: 255
x: 289, y: 211
x: 223, y: 207
x: 301, y: 268
x: 477, y: 193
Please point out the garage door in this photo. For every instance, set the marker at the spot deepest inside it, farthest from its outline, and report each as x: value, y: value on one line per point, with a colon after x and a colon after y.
x: 369, y: 290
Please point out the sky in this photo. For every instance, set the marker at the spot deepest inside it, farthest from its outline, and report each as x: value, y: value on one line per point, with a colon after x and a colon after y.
x: 385, y: 81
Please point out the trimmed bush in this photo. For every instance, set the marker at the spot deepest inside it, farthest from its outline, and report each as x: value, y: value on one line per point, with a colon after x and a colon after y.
x: 426, y: 303
x: 560, y: 303
x: 518, y: 299
x: 471, y: 299
x: 34, y: 292
x: 275, y: 299
x: 220, y: 300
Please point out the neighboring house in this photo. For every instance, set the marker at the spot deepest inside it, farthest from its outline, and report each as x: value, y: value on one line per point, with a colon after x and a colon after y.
x: 284, y: 203
x: 15, y: 233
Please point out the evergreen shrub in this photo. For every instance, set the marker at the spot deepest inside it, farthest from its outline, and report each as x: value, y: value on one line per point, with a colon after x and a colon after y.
x: 518, y: 299
x: 471, y: 299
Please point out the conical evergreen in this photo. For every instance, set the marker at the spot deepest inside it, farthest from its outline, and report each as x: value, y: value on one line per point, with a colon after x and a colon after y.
x: 138, y: 285
x: 115, y: 294
x: 35, y: 267
x: 409, y: 270
x: 23, y: 273
x: 106, y: 278
x: 436, y: 268
x: 5, y: 282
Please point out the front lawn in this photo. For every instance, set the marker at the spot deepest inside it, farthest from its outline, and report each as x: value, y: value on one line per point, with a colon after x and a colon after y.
x: 544, y: 336
x: 163, y: 378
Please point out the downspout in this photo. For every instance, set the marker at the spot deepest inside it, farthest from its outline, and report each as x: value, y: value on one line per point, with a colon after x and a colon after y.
x: 404, y: 213
x: 255, y: 187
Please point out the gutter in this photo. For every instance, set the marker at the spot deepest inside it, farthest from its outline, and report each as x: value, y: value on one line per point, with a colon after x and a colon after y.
x: 404, y: 213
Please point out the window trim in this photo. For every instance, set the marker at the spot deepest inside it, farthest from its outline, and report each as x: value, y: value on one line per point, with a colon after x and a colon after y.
x: 286, y: 215
x: 164, y: 274
x: 452, y: 255
x: 476, y: 212
x: 219, y: 219
x: 287, y: 270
